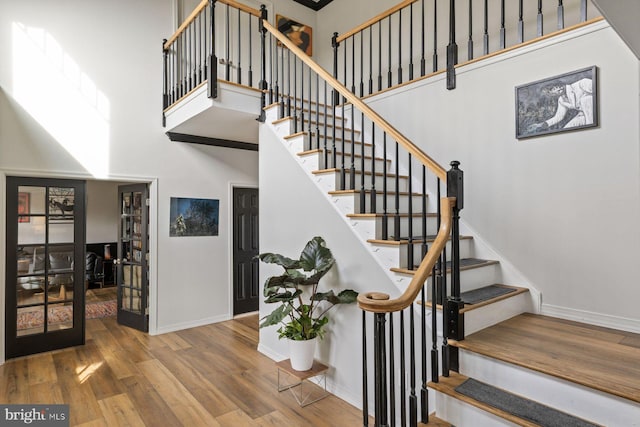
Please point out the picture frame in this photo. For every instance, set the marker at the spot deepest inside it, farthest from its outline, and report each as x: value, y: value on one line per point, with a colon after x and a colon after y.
x: 300, y: 34
x: 193, y: 217
x: 566, y: 102
x: 24, y: 207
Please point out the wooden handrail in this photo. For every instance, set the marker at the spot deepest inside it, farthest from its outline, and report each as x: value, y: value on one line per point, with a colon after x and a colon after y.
x: 377, y: 302
x: 199, y: 8
x: 375, y: 19
x: 416, y: 152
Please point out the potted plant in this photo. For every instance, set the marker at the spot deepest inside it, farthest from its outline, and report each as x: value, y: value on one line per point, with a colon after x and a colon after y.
x: 302, y: 308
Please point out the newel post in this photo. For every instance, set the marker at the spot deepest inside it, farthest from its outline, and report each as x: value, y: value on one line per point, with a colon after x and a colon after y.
x: 165, y: 82
x: 335, y: 45
x: 263, y: 62
x: 212, y: 77
x: 455, y: 325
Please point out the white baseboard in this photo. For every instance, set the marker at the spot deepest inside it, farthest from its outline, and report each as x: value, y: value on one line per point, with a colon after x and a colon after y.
x: 191, y: 324
x: 598, y: 319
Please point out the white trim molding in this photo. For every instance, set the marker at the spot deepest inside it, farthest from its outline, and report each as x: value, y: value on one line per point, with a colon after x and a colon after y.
x: 593, y: 318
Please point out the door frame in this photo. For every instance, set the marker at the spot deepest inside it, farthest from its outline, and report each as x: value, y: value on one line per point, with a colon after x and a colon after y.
x: 153, y: 236
x: 233, y: 185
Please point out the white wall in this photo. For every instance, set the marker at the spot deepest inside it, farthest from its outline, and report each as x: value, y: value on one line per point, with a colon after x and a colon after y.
x: 561, y: 208
x: 80, y: 96
x: 292, y: 211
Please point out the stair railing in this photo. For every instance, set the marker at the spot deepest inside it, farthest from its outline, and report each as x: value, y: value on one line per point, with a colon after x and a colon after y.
x: 308, y: 96
x: 402, y: 44
x: 192, y: 55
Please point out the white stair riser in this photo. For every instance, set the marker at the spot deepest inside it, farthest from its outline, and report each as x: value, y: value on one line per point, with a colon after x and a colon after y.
x: 333, y: 181
x: 368, y: 166
x: 568, y: 397
x: 352, y: 202
x: 489, y: 315
x: 371, y: 228
x: 401, y: 252
x: 461, y: 414
x: 304, y: 146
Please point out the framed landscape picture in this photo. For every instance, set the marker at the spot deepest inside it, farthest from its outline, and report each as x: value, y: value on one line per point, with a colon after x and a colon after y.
x: 557, y: 104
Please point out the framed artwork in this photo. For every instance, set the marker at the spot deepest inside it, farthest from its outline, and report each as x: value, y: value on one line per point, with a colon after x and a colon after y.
x: 24, y: 207
x: 61, y: 204
x: 298, y: 33
x: 193, y: 217
x: 557, y: 104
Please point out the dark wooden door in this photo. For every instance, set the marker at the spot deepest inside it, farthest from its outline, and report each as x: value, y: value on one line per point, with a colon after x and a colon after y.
x: 132, y: 272
x: 45, y: 265
x: 246, y: 291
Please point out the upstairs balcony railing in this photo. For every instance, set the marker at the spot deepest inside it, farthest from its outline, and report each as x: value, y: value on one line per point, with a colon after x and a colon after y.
x: 410, y: 40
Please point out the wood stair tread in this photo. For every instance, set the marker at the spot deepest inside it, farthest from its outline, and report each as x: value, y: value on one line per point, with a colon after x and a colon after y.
x: 405, y: 241
x: 313, y: 134
x: 465, y: 264
x: 389, y: 215
x: 328, y: 125
x: 447, y: 385
x: 470, y: 307
x: 367, y: 191
x: 435, y: 422
x: 338, y: 153
x: 599, y: 358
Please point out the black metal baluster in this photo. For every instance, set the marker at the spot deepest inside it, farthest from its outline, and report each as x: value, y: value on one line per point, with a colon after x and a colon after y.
x: 486, y: 28
x: 311, y: 109
x: 425, y: 247
x: 335, y: 45
x: 352, y: 169
x: 365, y: 374
x: 583, y: 10
x: 250, y: 75
x: 389, y: 77
x: 326, y: 154
x: 343, y: 169
x: 288, y: 83
x: 212, y: 85
x: 263, y: 62
x: 282, y: 70
x: 455, y: 304
x: 396, y: 227
x: 165, y: 82
x: 413, y: 399
x: 239, y: 75
x: 470, y: 42
x: 344, y: 71
x: 399, y: 45
x: 370, y: 60
x: 411, y: 42
x: 540, y: 31
x: 199, y: 47
x: 560, y: 15
x: 317, y: 108
x: 410, y: 212
x: 385, y: 216
x: 392, y: 368
x: 228, y: 47
x: 424, y: 393
x: 423, y: 62
x: 403, y: 374
x: 353, y: 64
x: 188, y: 57
x: 452, y: 47
x: 503, y: 40
x: 520, y: 23
x: 295, y: 94
x: 379, y: 55
x: 380, y: 362
x: 435, y: 36
x: 302, y: 115
x: 373, y: 193
x: 363, y: 177
x: 276, y: 82
x: 361, y: 63
x: 183, y: 65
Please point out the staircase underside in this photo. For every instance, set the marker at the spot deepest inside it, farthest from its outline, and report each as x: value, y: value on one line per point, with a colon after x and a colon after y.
x: 595, y: 357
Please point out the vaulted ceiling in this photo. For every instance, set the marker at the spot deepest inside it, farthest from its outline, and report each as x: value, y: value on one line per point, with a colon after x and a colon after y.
x: 314, y: 4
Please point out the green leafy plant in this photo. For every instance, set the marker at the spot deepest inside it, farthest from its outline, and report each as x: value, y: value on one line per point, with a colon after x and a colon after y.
x: 302, y: 317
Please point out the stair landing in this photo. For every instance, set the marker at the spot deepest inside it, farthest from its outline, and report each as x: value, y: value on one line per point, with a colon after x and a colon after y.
x: 599, y: 358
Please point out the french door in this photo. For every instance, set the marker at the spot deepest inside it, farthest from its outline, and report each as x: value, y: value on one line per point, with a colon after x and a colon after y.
x: 45, y: 265
x: 133, y: 251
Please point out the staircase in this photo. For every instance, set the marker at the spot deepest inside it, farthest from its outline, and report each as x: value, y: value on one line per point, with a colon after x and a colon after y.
x: 486, y: 342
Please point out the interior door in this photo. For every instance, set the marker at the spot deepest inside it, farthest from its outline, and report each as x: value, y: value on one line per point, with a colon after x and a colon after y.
x: 245, y: 248
x: 132, y: 268
x: 44, y: 265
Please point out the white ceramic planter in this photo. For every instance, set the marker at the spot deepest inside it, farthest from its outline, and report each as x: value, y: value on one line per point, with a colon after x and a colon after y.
x: 301, y: 354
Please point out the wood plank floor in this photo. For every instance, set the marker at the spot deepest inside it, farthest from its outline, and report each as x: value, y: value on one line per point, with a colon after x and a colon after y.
x: 206, y: 376
x: 596, y: 357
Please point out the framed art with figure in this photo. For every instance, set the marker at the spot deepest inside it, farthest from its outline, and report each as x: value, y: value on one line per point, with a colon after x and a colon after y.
x: 557, y: 104
x: 23, y: 207
x: 298, y: 33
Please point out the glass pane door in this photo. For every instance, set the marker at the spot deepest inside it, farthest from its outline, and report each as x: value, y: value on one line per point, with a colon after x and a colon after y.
x: 45, y: 250
x: 132, y: 262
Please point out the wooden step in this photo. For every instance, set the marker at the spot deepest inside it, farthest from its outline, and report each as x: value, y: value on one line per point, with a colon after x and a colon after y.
x: 405, y: 241
x: 337, y: 170
x: 313, y: 122
x: 599, y: 358
x: 338, y: 138
x: 469, y: 307
x: 447, y: 386
x: 339, y: 154
x: 435, y: 422
x: 465, y: 264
